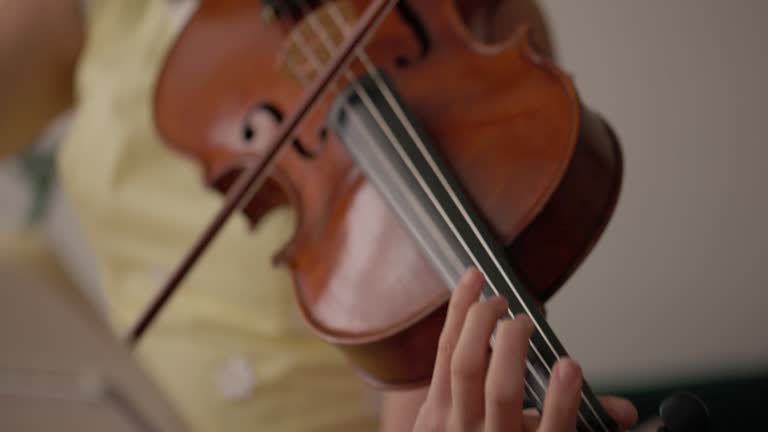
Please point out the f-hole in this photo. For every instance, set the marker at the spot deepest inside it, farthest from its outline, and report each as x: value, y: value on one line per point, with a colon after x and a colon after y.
x: 251, y: 133
x: 413, y: 22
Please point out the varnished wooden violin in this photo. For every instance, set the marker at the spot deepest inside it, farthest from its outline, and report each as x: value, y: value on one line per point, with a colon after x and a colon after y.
x: 409, y: 151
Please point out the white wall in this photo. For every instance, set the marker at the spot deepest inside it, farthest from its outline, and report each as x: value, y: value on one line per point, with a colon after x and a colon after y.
x: 678, y: 286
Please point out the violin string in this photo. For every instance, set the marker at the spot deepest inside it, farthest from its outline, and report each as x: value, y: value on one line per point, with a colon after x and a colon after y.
x: 365, y: 98
x: 319, y: 31
x: 480, y: 239
x: 362, y: 93
x: 382, y: 87
x: 303, y: 45
x: 310, y: 55
x: 299, y: 73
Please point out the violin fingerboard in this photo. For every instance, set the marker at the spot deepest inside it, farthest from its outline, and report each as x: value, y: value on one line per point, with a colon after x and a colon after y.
x: 385, y: 140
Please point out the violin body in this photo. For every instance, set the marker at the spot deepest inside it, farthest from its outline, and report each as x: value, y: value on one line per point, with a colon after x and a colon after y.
x: 541, y: 168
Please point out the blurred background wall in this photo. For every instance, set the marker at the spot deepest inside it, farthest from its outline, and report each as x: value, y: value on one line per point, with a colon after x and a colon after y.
x: 677, y: 286
x: 674, y: 295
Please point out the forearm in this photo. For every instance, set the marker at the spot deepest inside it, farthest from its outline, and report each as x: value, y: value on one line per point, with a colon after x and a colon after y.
x: 40, y: 41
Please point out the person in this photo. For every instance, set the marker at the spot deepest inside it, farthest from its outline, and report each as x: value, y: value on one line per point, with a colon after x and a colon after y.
x: 230, y: 350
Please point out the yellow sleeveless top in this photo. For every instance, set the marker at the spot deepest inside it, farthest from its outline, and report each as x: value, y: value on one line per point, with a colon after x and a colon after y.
x: 230, y: 350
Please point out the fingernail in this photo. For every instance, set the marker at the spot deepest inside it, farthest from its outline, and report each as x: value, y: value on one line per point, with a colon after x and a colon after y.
x: 568, y: 371
x: 500, y: 303
x: 473, y: 278
x: 525, y: 320
x: 473, y: 273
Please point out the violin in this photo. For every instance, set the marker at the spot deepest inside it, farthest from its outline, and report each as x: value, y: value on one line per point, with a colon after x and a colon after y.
x: 409, y: 152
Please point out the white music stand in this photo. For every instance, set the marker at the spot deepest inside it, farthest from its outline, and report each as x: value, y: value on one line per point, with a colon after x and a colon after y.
x: 62, y: 369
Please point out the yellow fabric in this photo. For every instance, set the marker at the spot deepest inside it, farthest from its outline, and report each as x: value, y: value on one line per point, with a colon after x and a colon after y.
x: 142, y: 205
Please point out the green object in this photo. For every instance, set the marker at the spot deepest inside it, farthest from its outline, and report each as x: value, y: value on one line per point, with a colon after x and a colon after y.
x: 39, y: 170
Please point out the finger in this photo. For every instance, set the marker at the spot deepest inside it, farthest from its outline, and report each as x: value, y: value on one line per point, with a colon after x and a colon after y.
x: 506, y: 373
x: 620, y: 410
x: 561, y: 405
x: 466, y: 293
x: 470, y: 363
x: 531, y: 419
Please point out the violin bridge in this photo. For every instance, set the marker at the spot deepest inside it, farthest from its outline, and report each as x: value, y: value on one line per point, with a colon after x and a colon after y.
x: 311, y: 43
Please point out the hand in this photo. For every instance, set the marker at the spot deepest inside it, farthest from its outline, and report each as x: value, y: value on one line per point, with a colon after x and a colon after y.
x: 478, y: 391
